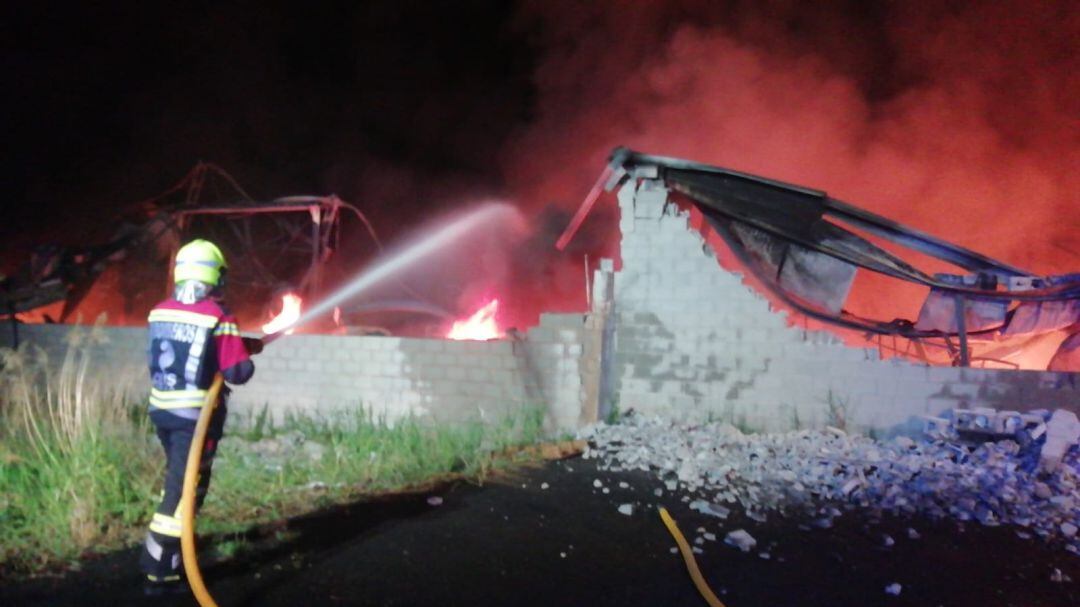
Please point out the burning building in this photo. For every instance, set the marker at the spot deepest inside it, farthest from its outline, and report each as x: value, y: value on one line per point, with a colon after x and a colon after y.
x: 729, y: 298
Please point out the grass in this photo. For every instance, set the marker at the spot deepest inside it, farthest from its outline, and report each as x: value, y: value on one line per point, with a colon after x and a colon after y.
x: 355, y: 454
x: 80, y: 468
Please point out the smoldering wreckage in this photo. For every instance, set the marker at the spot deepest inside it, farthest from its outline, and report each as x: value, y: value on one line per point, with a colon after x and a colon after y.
x: 802, y: 249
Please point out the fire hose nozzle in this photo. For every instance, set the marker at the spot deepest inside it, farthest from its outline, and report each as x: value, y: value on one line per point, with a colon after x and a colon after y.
x: 254, y: 345
x: 271, y: 337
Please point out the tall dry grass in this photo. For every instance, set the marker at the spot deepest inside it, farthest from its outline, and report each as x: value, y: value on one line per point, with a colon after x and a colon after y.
x: 77, y: 461
x: 80, y: 468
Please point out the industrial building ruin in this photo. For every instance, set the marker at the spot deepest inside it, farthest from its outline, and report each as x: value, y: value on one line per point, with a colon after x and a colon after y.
x: 731, y: 298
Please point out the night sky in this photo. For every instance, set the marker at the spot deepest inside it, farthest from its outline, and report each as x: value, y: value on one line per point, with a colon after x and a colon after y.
x: 958, y: 118
x: 114, y: 105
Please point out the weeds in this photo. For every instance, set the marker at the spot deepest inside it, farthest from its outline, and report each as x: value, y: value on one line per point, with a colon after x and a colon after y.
x: 837, y: 410
x: 80, y: 468
x: 79, y: 460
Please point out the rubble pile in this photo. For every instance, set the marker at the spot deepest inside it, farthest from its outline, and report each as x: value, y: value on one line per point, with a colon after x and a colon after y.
x: 819, y: 474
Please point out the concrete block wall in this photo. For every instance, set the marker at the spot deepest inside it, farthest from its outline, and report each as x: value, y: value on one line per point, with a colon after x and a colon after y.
x: 693, y: 341
x: 444, y: 380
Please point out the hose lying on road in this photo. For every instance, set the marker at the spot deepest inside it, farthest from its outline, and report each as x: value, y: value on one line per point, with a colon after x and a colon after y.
x: 691, y: 564
x: 187, y: 497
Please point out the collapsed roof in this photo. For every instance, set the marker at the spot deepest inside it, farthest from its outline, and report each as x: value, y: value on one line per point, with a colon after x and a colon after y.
x: 802, y: 245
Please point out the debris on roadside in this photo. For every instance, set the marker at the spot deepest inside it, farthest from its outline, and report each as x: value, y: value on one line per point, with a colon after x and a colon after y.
x: 821, y: 474
x: 741, y: 540
x: 893, y: 589
x: 1059, y: 577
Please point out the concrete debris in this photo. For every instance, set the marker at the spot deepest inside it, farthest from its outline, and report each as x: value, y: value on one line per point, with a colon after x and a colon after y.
x: 544, y: 486
x: 821, y: 474
x: 434, y: 501
x: 893, y: 589
x: 1059, y: 577
x: 626, y: 509
x: 741, y: 540
x: 1062, y: 432
x: 709, y: 536
x: 710, y: 509
x: 888, y: 541
x: 597, y: 483
x: 912, y: 534
x: 697, y: 550
x: 624, y: 485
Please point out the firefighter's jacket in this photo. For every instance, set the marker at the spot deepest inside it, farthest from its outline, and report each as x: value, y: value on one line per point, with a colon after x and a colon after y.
x: 189, y: 343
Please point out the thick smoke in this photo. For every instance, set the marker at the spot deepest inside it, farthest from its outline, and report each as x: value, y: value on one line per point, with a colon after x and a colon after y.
x: 960, y: 121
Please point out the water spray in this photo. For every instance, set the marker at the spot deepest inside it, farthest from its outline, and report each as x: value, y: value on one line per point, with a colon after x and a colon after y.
x: 401, y: 260
x: 395, y: 263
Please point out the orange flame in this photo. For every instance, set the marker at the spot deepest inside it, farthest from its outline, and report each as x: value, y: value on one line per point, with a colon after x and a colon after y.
x: 480, y: 326
x: 290, y: 312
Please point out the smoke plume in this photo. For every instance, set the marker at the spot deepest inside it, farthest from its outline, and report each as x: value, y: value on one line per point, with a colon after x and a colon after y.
x: 958, y: 120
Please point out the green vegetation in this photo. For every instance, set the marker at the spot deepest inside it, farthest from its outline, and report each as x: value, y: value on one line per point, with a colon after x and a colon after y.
x: 80, y: 467
x: 837, y: 410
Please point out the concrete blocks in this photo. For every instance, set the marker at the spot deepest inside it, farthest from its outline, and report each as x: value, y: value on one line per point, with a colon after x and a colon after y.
x: 690, y: 336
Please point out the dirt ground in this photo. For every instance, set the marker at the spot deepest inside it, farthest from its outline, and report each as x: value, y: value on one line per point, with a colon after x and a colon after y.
x: 511, y: 542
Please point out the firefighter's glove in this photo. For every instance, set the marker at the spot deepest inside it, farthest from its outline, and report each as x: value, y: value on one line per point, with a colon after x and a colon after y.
x: 254, y: 345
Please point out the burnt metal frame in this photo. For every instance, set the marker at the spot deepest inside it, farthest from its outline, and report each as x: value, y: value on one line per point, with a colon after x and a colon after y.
x: 625, y: 164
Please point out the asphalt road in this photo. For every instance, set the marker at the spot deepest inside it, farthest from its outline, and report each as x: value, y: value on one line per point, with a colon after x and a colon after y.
x: 513, y: 543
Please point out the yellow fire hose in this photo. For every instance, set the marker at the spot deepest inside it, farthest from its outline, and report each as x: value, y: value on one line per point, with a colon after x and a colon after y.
x: 688, y: 557
x: 187, y: 514
x: 187, y: 497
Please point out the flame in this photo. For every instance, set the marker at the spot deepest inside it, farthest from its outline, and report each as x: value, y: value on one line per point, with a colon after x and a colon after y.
x: 480, y: 326
x: 290, y: 313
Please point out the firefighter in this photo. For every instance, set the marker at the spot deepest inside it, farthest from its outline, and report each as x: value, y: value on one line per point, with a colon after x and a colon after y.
x: 192, y: 337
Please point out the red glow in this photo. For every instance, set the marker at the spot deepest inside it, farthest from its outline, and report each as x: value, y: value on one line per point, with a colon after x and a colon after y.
x: 290, y: 312
x: 480, y: 326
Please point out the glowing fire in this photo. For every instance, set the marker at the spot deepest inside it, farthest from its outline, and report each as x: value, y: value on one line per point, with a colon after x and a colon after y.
x: 481, y: 325
x: 290, y: 312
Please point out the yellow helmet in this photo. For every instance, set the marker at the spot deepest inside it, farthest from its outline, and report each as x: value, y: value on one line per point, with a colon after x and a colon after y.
x: 199, y: 260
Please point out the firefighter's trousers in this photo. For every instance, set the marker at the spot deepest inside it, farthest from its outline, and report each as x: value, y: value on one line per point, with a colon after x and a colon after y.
x: 161, y: 560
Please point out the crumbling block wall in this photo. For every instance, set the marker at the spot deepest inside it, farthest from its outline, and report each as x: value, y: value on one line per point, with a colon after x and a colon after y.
x: 445, y: 380
x: 692, y: 341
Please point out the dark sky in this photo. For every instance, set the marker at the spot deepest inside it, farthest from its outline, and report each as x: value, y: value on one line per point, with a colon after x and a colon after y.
x: 113, y: 105
x: 929, y: 112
